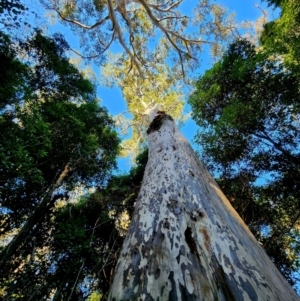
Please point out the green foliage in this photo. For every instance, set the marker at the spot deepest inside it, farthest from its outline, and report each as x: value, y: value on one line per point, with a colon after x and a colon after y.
x: 12, y: 7
x: 248, y: 110
x: 123, y: 189
x: 54, y: 137
x: 94, y: 297
x: 46, y: 128
x: 281, y: 36
x: 275, y: 3
x: 76, y: 250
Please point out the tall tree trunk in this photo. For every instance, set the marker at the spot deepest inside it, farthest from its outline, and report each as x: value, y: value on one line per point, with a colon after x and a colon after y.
x: 186, y: 242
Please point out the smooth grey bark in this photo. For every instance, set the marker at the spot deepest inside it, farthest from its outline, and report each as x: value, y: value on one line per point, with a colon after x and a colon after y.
x: 185, y: 241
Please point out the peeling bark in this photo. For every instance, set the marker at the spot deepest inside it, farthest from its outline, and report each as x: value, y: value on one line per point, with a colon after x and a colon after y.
x: 186, y: 242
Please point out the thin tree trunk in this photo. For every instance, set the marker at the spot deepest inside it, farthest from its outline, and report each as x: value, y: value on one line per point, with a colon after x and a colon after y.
x: 57, y: 295
x: 186, y: 242
x: 33, y: 220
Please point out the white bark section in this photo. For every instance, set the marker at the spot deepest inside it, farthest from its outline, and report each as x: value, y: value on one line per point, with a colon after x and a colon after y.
x: 186, y: 242
x: 151, y: 111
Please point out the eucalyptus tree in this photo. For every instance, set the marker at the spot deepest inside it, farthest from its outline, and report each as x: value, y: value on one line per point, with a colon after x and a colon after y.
x: 185, y: 241
x: 174, y: 246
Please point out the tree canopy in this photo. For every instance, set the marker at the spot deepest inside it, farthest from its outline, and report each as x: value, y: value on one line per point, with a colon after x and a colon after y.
x: 159, y: 90
x: 138, y: 25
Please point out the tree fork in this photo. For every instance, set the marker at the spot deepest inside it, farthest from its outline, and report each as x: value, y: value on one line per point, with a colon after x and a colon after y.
x: 185, y: 241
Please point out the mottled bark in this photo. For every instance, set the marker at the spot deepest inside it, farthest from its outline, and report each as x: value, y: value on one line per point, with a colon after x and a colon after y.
x: 186, y: 242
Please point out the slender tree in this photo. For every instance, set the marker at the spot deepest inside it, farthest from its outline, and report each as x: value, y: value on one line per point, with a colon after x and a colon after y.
x: 185, y: 241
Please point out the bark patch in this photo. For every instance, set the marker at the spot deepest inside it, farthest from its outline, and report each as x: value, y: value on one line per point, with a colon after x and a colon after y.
x: 134, y: 271
x: 225, y: 283
x: 173, y: 292
x: 157, y: 122
x: 206, y: 239
x: 185, y: 295
x: 191, y: 173
x: 191, y: 242
x: 248, y: 288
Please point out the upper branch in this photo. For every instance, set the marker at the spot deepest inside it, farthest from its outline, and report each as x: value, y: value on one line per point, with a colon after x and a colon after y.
x: 98, y: 23
x: 170, y: 33
x: 157, y: 7
x: 120, y: 35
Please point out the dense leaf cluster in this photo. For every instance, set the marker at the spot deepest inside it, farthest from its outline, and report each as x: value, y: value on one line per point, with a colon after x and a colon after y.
x: 281, y: 36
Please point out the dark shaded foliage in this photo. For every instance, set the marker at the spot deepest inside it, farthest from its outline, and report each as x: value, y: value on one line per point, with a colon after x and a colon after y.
x: 280, y: 37
x: 54, y: 136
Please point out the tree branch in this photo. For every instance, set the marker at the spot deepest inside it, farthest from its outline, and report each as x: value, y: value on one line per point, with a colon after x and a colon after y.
x: 120, y: 35
x: 79, y: 272
x: 157, y: 7
x: 100, y: 53
x: 89, y: 27
x: 168, y: 33
x: 276, y: 145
